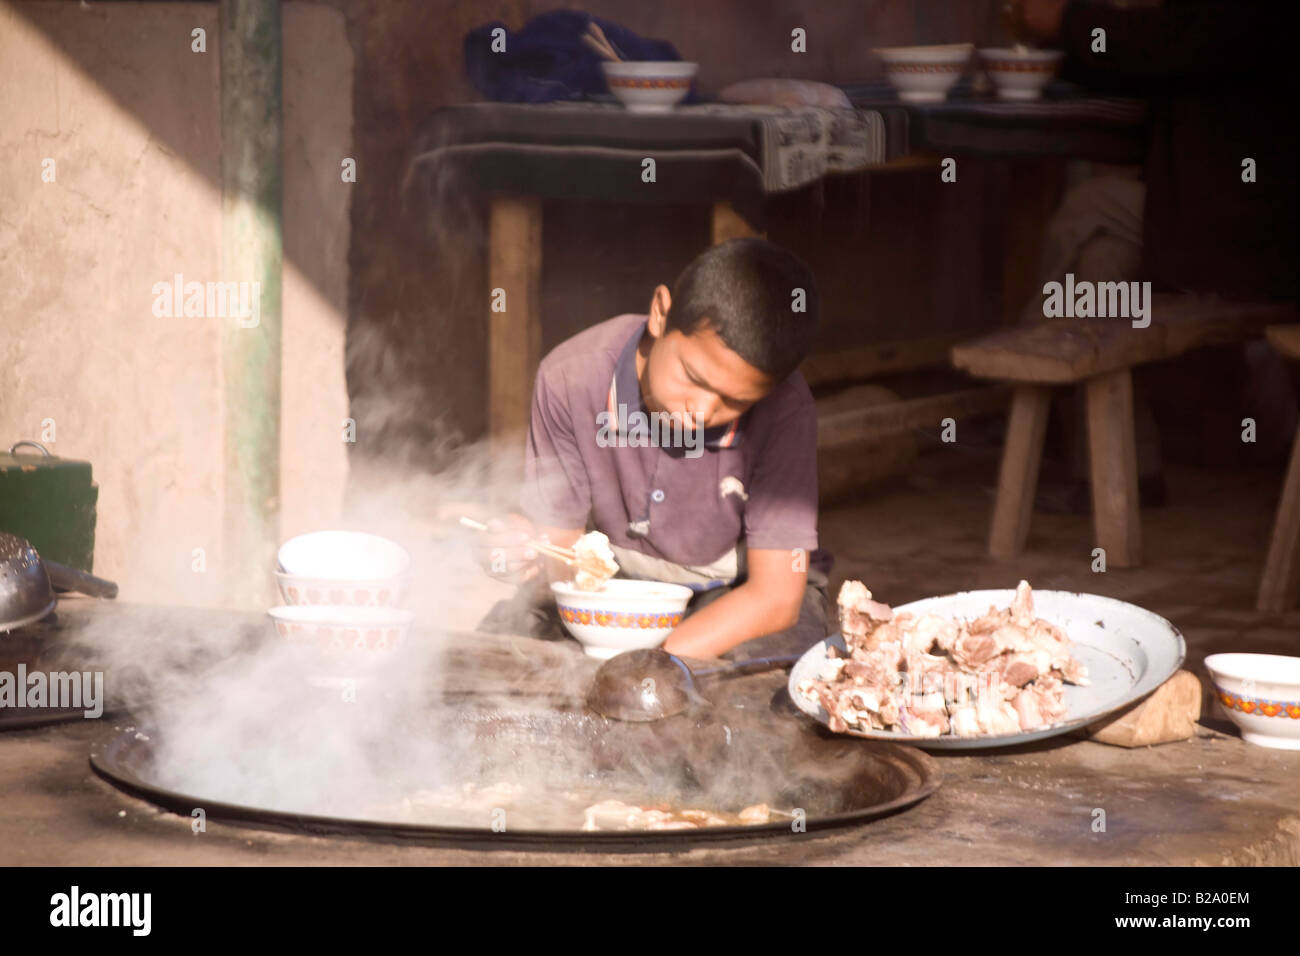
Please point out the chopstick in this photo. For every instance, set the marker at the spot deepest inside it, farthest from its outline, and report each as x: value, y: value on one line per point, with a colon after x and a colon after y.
x: 595, y: 39
x: 545, y: 547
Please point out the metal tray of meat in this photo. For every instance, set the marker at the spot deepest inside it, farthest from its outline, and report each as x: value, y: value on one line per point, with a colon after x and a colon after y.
x: 1128, y: 651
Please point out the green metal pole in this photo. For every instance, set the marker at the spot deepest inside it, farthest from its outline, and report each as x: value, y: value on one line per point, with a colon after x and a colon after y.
x: 252, y: 253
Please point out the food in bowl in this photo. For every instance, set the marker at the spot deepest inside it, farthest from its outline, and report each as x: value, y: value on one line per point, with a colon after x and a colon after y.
x: 1261, y: 694
x: 927, y: 675
x: 1020, y: 73
x: 924, y: 74
x: 343, y: 556
x: 624, y: 615
x: 649, y: 86
x: 595, y: 561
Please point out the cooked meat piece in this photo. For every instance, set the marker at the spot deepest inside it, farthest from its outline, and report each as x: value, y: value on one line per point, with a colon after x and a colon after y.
x: 666, y: 821
x: 703, y: 818
x: 610, y: 815
x: 859, y: 614
x: 878, y: 668
x: 963, y: 721
x: 1018, y: 669
x: 1051, y: 698
x: 1028, y: 710
x: 595, y: 562
x: 924, y: 716
x: 973, y: 651
x: 1074, y: 672
x: 1022, y: 605
x: 889, y: 711
x: 996, y: 716
x: 926, y: 631
x: 928, y: 675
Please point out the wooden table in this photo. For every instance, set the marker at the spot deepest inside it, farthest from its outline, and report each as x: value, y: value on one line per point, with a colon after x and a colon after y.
x: 729, y: 159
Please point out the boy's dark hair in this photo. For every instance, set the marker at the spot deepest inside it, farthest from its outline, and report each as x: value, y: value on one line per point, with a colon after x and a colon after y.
x: 745, y: 290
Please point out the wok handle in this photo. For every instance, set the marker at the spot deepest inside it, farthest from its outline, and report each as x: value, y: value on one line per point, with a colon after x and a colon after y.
x: 70, y: 579
x: 755, y: 665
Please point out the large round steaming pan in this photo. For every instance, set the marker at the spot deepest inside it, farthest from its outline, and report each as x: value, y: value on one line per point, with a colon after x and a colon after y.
x: 837, y: 782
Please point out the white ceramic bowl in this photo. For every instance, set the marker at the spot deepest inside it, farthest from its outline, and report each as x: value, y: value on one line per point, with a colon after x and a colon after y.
x: 650, y: 86
x: 1261, y: 693
x: 386, y: 592
x: 1020, y: 74
x: 924, y: 74
x: 343, y: 632
x: 343, y: 556
x: 624, y: 615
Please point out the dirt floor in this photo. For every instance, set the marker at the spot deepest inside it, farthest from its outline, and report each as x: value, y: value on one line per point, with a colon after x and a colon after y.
x: 1211, y: 800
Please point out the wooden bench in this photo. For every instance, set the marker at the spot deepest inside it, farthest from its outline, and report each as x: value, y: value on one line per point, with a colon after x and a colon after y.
x: 1100, y: 355
x: 1280, y: 584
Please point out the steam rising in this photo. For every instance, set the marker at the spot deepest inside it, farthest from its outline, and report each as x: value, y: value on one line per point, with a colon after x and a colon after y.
x: 455, y: 727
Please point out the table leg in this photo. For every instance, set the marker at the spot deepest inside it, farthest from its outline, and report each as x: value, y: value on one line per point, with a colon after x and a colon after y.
x: 729, y: 224
x: 1018, y: 479
x: 1280, y: 585
x: 1112, y: 453
x: 515, y: 334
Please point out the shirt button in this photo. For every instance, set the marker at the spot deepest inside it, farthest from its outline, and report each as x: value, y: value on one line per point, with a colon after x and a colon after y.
x: 657, y: 496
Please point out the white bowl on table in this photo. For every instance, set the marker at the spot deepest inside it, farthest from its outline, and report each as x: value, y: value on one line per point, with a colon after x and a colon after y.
x: 1261, y: 694
x: 344, y: 556
x: 337, y: 645
x: 624, y: 615
x: 924, y: 74
x: 343, y: 568
x: 304, y: 591
x: 1020, y: 74
x: 649, y: 86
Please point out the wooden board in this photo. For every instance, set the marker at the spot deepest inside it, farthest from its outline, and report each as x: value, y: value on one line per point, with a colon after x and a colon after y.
x: 856, y: 365
x: 881, y: 421
x: 1060, y: 351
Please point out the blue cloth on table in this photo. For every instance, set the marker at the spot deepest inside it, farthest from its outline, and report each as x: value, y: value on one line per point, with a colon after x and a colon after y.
x: 547, y: 59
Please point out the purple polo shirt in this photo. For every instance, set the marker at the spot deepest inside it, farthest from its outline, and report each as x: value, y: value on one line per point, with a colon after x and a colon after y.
x: 753, y: 482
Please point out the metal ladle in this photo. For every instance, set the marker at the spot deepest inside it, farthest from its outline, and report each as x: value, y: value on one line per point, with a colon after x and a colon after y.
x: 27, y: 583
x: 651, y: 684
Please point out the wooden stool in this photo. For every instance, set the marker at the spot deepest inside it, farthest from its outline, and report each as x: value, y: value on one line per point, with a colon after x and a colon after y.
x: 1280, y: 585
x: 1100, y: 354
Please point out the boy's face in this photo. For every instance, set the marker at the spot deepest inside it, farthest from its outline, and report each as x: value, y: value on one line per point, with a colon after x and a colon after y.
x: 695, y: 376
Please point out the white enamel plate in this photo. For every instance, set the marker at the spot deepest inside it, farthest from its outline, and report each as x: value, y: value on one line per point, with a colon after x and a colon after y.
x: 1128, y: 651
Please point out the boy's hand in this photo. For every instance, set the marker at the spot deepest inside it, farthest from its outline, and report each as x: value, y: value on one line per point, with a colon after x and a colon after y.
x: 502, y: 553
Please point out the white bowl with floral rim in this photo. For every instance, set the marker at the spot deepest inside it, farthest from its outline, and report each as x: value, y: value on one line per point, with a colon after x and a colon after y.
x: 1020, y: 74
x: 304, y: 591
x: 649, y: 86
x: 924, y: 74
x: 1261, y: 695
x: 351, y: 632
x: 624, y: 615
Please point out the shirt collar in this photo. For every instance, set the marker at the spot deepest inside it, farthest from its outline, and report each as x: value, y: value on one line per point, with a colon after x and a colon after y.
x: 624, y: 388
